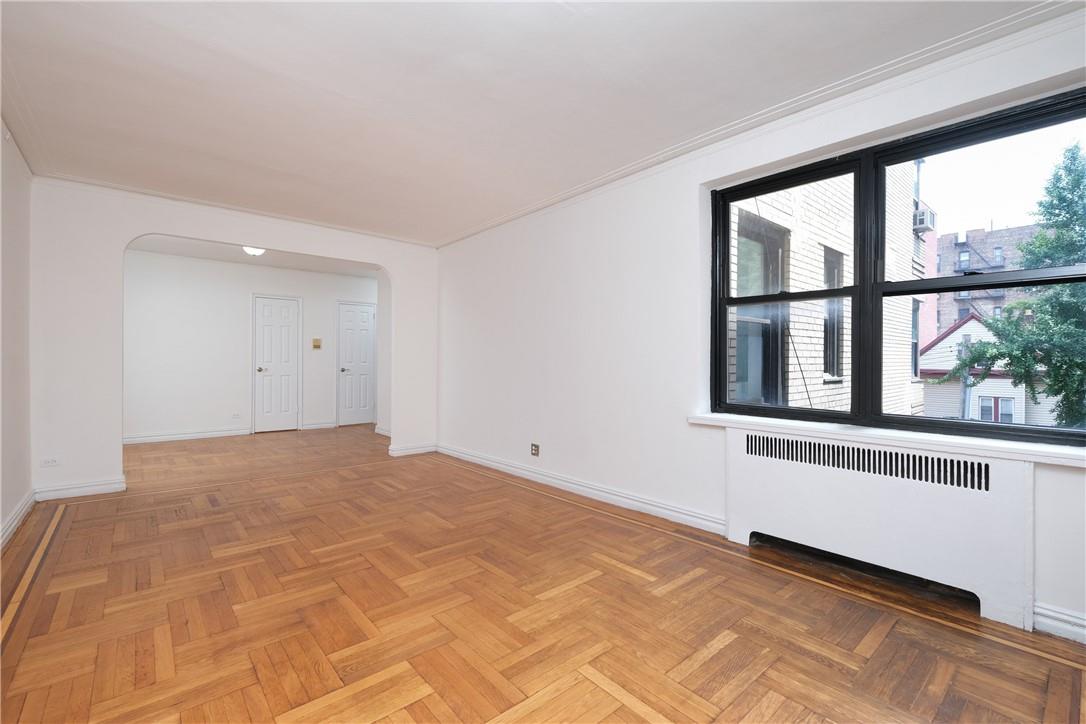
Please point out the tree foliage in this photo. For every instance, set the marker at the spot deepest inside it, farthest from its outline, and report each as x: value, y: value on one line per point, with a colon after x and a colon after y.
x: 1040, y: 341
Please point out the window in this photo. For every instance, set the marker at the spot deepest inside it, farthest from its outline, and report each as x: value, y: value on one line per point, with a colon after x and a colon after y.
x: 997, y: 409
x: 997, y: 256
x: 830, y: 247
x: 833, y: 323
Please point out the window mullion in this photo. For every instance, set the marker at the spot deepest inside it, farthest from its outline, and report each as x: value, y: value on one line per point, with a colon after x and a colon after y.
x: 867, y: 303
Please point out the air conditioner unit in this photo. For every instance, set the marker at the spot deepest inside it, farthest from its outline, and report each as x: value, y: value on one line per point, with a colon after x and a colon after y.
x: 923, y: 220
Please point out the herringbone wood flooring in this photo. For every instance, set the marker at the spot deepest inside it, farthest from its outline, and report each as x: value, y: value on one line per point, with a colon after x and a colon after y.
x: 308, y: 576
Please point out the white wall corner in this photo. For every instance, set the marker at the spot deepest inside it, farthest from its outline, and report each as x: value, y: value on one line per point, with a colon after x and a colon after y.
x: 606, y: 494
x: 17, y: 516
x: 397, y: 451
x: 75, y: 490
x: 1060, y: 622
x: 382, y: 431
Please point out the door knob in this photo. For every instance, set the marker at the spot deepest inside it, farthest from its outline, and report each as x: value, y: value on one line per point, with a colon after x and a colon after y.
x: 342, y: 369
x: 259, y: 369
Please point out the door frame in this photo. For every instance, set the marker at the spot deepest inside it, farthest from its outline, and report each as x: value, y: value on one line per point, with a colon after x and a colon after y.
x: 252, y: 354
x: 335, y: 361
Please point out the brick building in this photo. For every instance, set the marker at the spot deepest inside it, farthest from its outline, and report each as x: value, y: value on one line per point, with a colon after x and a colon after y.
x: 982, y: 251
x: 801, y: 239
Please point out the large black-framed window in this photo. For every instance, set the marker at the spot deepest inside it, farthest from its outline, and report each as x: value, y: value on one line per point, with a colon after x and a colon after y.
x: 780, y: 322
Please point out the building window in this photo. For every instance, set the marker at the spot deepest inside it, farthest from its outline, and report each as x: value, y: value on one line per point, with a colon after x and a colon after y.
x: 997, y: 256
x: 997, y: 312
x: 997, y: 409
x: 770, y: 298
x: 834, y: 264
x: 938, y: 263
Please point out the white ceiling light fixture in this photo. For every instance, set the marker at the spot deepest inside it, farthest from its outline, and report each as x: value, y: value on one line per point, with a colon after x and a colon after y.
x: 253, y: 250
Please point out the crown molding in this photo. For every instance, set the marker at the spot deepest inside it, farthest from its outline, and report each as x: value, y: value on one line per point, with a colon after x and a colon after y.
x: 1027, y: 26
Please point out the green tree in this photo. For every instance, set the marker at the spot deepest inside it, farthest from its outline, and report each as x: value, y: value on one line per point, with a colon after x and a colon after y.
x: 1041, y: 341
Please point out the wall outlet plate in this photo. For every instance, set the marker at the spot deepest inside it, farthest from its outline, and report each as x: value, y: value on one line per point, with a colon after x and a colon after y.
x: 535, y: 449
x: 50, y: 462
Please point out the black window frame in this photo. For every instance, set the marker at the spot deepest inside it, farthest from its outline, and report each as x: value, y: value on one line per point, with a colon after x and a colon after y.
x: 869, y: 284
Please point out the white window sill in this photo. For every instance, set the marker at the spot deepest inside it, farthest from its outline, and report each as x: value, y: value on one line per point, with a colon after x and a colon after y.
x: 1066, y: 455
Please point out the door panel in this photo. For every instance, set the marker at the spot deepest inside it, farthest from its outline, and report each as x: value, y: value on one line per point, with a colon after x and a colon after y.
x: 355, y: 351
x: 275, y: 335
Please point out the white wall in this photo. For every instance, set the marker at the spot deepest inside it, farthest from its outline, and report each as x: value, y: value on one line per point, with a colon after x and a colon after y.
x: 78, y: 238
x: 384, y: 355
x: 187, y: 326
x: 14, y: 330
x: 585, y: 327
x: 1060, y: 552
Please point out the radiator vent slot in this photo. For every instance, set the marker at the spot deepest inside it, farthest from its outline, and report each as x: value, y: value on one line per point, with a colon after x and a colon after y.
x: 934, y: 469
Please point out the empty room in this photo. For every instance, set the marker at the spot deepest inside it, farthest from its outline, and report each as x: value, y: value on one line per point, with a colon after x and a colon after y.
x: 543, y: 361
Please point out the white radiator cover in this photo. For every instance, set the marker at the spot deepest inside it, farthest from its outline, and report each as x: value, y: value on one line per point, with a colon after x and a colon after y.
x: 923, y: 513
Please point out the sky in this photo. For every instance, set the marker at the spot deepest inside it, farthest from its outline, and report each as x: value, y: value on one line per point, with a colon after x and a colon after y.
x: 995, y: 184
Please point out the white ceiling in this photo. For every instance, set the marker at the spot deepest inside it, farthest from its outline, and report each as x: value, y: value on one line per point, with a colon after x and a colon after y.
x: 427, y: 122
x: 200, y: 249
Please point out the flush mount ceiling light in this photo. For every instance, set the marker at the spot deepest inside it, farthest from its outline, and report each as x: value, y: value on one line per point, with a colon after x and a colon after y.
x: 253, y: 250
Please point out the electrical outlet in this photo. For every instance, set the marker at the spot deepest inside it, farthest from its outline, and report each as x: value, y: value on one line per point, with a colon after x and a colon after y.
x: 236, y: 416
x: 50, y: 462
x: 535, y: 449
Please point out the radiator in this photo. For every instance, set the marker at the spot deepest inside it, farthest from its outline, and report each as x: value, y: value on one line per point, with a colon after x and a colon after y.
x: 959, y: 520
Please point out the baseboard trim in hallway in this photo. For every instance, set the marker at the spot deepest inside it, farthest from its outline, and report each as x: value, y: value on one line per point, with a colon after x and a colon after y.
x: 174, y: 436
x: 76, y: 490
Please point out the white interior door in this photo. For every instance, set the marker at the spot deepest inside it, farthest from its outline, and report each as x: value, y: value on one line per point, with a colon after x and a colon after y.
x: 276, y: 364
x: 356, y: 334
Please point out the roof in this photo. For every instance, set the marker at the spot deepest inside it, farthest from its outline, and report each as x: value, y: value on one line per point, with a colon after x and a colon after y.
x: 951, y: 330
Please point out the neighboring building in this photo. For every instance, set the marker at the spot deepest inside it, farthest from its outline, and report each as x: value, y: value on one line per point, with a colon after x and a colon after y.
x: 925, y: 231
x: 994, y: 400
x: 800, y: 239
x: 983, y: 251
x: 796, y: 239
x: 905, y: 258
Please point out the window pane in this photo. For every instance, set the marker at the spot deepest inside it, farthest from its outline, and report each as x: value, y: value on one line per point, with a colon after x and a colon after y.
x: 778, y: 354
x: 1038, y: 333
x: 794, y: 240
x: 994, y: 206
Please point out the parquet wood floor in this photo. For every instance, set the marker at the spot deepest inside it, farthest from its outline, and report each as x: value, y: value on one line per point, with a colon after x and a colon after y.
x: 307, y: 576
